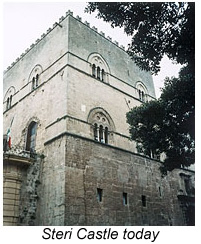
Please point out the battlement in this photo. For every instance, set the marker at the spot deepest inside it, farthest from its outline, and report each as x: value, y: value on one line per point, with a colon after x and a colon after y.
x: 68, y: 13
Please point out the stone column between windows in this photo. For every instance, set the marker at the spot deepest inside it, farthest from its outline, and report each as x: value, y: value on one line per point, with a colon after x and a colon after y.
x: 97, y: 131
x: 97, y: 134
x: 94, y: 71
x: 103, y: 135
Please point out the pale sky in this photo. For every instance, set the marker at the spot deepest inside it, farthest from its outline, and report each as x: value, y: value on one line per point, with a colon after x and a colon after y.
x: 23, y: 23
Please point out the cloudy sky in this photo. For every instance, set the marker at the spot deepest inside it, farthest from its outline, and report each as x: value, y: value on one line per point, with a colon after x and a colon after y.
x: 23, y: 23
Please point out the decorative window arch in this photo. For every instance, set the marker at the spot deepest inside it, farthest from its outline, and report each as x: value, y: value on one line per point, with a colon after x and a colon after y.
x: 142, y: 91
x: 98, y: 67
x: 34, y: 77
x: 102, y: 125
x: 8, y: 98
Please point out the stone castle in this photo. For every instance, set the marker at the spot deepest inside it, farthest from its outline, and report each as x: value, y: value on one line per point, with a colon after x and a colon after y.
x: 70, y: 160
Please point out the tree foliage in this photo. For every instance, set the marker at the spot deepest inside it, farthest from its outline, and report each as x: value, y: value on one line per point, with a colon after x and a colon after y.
x: 158, y: 28
x: 146, y: 131
x: 166, y: 125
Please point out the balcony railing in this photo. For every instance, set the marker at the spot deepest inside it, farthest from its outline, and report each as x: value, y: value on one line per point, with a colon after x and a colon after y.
x: 19, y: 152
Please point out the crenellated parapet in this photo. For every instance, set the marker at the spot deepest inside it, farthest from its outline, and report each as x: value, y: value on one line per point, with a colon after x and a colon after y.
x: 55, y: 25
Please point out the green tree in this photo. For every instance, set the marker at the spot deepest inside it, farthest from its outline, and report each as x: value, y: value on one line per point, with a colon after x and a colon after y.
x: 166, y: 125
x: 158, y: 29
x: 146, y: 131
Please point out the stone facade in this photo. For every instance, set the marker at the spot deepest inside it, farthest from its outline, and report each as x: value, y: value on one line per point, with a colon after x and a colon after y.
x: 67, y: 96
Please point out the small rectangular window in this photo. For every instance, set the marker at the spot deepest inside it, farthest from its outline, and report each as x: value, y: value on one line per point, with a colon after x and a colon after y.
x: 144, y: 201
x: 160, y: 193
x: 125, y: 198
x: 99, y: 194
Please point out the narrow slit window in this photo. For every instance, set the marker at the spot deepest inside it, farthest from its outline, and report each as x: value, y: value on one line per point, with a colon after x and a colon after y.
x: 7, y: 103
x: 37, y: 78
x: 143, y: 96
x: 106, y: 135
x: 144, y: 201
x: 103, y: 75
x: 95, y: 132
x: 125, y: 198
x: 101, y: 133
x: 11, y: 97
x: 139, y: 94
x: 159, y: 189
x: 94, y: 70
x: 98, y: 72
x: 99, y: 194
x: 33, y: 83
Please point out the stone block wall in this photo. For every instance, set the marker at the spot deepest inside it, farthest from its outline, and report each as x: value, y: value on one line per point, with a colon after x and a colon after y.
x: 29, y: 193
x: 151, y: 199
x: 13, y: 177
x: 51, y: 204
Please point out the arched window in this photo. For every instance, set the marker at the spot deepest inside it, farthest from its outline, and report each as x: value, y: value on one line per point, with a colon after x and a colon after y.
x: 142, y: 91
x: 8, y: 98
x: 98, y: 67
x: 102, y: 125
x: 35, y: 77
x: 31, y: 137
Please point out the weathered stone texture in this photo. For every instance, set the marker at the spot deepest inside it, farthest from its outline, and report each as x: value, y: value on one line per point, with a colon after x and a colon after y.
x: 92, y: 165
x: 52, y: 191
x: 13, y: 175
x: 29, y: 194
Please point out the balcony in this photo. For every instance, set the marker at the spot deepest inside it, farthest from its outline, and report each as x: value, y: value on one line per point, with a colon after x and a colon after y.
x: 18, y: 155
